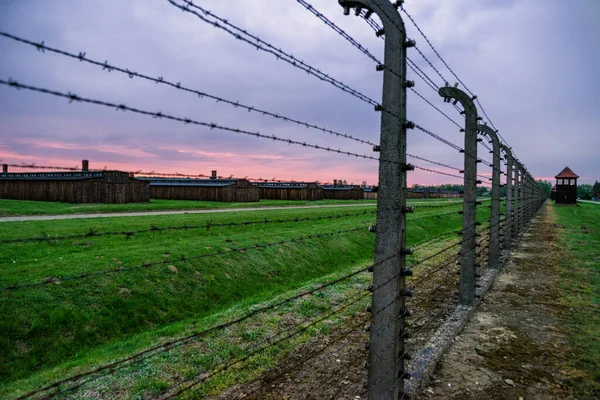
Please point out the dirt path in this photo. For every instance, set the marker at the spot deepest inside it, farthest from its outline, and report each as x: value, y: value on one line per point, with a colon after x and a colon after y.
x: 513, y: 347
x: 191, y: 211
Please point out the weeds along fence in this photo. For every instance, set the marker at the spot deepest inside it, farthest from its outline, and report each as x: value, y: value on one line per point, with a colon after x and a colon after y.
x: 359, y: 329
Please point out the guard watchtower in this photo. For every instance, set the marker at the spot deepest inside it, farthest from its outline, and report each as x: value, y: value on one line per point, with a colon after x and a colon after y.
x: 566, y: 187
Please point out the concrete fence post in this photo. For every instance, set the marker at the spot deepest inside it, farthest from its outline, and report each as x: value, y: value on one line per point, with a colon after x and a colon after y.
x: 517, y: 195
x: 528, y: 197
x: 508, y: 220
x: 468, y: 249
x: 386, y: 348
x: 522, y: 198
x: 494, y: 247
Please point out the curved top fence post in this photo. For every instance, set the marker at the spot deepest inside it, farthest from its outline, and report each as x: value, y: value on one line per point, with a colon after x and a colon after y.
x: 386, y: 350
x: 517, y: 195
x: 468, y: 250
x: 494, y: 247
x: 508, y: 220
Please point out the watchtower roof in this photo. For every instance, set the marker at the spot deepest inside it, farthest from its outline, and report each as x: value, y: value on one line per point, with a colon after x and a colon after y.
x: 567, y: 173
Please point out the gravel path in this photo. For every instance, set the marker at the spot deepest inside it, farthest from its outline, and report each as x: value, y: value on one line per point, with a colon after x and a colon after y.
x: 513, y: 347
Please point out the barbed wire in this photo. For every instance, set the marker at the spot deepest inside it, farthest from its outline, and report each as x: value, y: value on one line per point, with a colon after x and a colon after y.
x: 140, y: 173
x: 444, y: 80
x: 433, y: 162
x: 81, y: 56
x: 344, y: 304
x: 411, y: 64
x: 289, y: 368
x: 200, y: 377
x: 34, y: 166
x: 427, y: 216
x: 434, y: 239
x: 421, y: 74
x: 362, y: 48
x: 160, y: 115
x: 439, y: 172
x: 262, y: 45
x: 435, y: 108
x: 441, y: 139
x: 254, y: 312
x: 57, y: 280
x: 450, y: 144
x: 257, y: 180
x: 450, y: 69
x: 376, y: 27
x: 166, y: 346
x: 346, y: 366
x: 418, y: 71
x: 207, y: 225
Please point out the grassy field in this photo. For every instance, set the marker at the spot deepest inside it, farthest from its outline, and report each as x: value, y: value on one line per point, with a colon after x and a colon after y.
x: 52, y: 330
x: 19, y: 207
x: 580, y: 284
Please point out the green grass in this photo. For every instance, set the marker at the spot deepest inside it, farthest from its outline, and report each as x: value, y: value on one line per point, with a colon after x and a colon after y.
x: 580, y: 285
x: 22, y: 207
x: 51, y: 331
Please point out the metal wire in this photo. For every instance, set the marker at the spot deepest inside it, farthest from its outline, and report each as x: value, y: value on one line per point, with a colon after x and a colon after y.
x: 81, y: 56
x: 207, y: 225
x: 141, y: 173
x: 435, y: 108
x: 262, y: 45
x: 159, y: 115
x: 450, y: 69
x: 166, y: 346
x: 85, y: 275
x: 200, y: 377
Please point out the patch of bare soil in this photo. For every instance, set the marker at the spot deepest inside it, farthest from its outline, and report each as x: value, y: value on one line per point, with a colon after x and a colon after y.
x: 513, y: 348
x: 333, y: 366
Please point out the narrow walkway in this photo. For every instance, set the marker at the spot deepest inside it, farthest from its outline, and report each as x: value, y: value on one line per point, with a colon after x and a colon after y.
x: 191, y: 211
x: 513, y: 346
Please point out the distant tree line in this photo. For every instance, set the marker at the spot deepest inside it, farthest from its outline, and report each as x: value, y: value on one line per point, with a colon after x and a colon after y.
x: 584, y: 191
x: 587, y: 192
x: 546, y: 186
x: 481, y: 190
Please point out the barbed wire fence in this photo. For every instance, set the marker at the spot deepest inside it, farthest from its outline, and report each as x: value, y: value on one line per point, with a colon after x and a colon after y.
x: 392, y: 309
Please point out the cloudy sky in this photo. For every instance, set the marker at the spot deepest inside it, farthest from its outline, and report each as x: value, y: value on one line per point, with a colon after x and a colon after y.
x: 534, y: 64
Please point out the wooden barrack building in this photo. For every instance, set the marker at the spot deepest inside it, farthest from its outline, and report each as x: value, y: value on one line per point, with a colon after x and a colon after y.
x: 113, y: 187
x: 307, y: 191
x: 214, y: 189
x: 342, y: 192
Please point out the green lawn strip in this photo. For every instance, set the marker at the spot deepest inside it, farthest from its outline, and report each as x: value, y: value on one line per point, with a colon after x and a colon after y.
x: 580, y: 285
x: 157, y: 373
x: 25, y: 207
x: 37, y: 260
x: 204, y: 353
x: 47, y: 326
